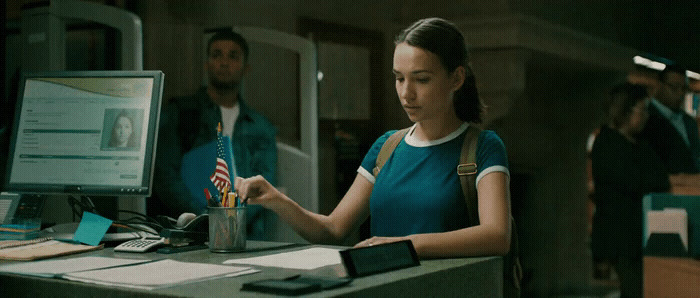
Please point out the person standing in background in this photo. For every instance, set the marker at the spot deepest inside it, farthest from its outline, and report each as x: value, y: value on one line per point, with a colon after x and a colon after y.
x: 625, y: 168
x: 191, y: 121
x: 672, y: 132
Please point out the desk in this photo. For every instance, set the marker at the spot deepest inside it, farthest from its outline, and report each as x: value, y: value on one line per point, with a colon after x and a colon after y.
x: 671, y: 277
x: 685, y: 190
x: 460, y: 277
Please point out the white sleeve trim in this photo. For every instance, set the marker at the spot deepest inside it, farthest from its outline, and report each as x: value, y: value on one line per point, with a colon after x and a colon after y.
x: 366, y: 174
x: 362, y: 171
x: 492, y: 169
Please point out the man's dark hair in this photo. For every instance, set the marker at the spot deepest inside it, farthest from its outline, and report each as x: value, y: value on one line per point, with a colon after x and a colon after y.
x: 671, y: 68
x: 227, y: 34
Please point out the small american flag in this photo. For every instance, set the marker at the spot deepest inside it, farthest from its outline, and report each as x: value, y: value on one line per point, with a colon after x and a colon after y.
x: 221, y: 177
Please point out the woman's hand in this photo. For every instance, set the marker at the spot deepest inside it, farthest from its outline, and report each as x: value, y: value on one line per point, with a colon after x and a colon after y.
x: 257, y: 190
x: 379, y: 240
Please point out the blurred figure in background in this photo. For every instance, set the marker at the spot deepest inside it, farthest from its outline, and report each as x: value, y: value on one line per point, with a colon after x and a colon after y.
x: 670, y: 130
x: 625, y: 168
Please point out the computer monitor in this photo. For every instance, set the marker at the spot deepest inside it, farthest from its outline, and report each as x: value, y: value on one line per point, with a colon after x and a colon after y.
x: 85, y: 133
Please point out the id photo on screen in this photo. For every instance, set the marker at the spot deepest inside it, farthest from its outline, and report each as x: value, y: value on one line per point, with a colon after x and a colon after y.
x: 122, y: 129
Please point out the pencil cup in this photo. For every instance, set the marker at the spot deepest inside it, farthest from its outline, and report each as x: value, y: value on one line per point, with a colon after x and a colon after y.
x: 227, y: 229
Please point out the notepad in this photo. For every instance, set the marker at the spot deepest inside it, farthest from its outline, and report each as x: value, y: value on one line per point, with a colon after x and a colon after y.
x: 15, y: 243
x: 56, y: 268
x: 44, y: 249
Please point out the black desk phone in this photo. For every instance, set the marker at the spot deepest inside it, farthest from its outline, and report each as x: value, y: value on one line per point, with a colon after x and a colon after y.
x: 189, y: 232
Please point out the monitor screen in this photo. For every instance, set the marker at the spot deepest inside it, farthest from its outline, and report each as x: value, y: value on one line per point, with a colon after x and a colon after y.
x: 85, y: 133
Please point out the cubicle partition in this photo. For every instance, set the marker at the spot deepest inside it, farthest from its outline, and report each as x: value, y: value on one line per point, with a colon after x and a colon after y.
x: 671, y: 202
x: 671, y: 270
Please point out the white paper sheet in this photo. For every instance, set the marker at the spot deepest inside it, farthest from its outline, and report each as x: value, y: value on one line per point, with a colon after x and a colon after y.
x: 51, y: 268
x: 669, y: 220
x: 306, y: 259
x: 159, y: 274
x: 243, y: 272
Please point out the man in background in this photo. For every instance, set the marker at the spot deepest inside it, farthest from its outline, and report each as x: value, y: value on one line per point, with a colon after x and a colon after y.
x: 190, y: 122
x: 671, y: 131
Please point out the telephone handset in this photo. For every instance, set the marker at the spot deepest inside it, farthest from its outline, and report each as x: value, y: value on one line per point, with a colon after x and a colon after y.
x: 189, y: 229
x: 192, y: 223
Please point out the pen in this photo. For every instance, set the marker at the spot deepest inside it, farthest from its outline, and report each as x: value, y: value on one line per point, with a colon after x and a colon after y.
x: 207, y: 194
x: 213, y: 202
x: 216, y: 200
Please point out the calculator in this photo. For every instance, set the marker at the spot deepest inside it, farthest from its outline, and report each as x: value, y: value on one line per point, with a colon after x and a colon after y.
x: 145, y: 244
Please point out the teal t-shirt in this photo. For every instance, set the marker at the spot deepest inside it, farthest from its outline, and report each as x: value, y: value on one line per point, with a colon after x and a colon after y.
x: 418, y: 189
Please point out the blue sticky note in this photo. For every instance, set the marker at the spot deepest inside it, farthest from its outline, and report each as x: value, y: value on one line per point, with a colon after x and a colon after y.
x: 91, y: 229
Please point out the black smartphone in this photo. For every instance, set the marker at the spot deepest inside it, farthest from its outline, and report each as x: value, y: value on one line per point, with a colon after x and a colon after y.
x: 281, y: 287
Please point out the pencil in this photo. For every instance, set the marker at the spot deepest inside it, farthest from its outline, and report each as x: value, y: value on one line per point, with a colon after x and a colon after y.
x: 224, y: 195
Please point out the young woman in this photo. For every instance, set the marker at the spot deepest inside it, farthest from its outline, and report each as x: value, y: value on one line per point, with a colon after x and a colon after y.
x: 417, y: 195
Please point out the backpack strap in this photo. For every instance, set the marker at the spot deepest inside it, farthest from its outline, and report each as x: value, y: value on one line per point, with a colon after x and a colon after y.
x: 388, y: 147
x: 466, y: 169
